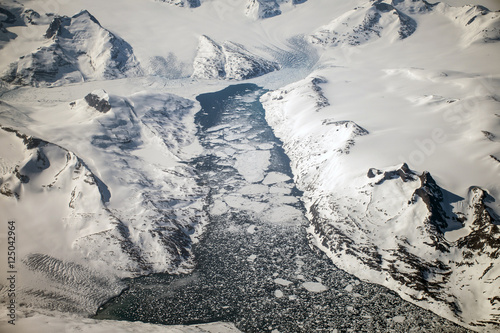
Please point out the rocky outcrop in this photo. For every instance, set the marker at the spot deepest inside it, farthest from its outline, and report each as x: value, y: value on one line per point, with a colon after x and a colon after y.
x: 228, y: 61
x: 262, y: 9
x: 484, y: 238
x: 364, y: 24
x: 183, y: 3
x: 99, y: 100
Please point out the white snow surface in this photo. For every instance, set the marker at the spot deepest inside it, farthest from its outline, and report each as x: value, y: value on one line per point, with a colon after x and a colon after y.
x: 33, y: 322
x: 100, y: 181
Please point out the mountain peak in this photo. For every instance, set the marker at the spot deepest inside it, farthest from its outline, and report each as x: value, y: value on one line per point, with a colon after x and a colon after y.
x: 81, y: 50
x: 228, y: 61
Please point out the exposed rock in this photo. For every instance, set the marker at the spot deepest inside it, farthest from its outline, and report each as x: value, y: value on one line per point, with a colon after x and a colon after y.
x: 228, y: 61
x: 11, y: 18
x: 363, y: 24
x: 490, y: 136
x: 241, y: 64
x: 262, y: 8
x: 31, y: 16
x: 322, y: 101
x: 485, y: 227
x: 68, y: 59
x: 210, y: 60
x: 99, y: 100
x: 47, y: 65
x: 183, y: 3
x: 432, y: 196
x: 54, y: 28
x: 372, y: 173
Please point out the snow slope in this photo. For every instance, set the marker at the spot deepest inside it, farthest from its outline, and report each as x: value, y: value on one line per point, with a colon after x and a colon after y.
x: 433, y: 234
x: 228, y: 61
x: 77, y: 49
x: 137, y: 214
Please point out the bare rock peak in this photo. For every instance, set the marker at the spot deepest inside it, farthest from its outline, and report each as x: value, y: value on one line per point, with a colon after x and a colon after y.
x: 99, y: 100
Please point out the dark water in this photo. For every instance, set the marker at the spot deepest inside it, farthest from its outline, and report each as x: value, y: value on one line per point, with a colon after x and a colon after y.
x: 255, y: 267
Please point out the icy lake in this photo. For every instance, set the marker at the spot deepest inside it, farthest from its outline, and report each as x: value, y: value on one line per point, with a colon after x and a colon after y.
x: 255, y: 266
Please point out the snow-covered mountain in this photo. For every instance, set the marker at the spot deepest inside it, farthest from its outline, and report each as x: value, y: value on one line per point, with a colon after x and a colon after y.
x: 77, y: 49
x: 391, y: 226
x: 102, y: 242
x: 364, y: 23
x: 395, y: 20
x: 183, y: 3
x: 394, y: 225
x: 228, y: 61
x: 390, y: 120
x: 262, y: 9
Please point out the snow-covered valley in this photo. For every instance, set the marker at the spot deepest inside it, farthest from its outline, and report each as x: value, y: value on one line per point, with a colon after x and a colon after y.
x: 388, y: 113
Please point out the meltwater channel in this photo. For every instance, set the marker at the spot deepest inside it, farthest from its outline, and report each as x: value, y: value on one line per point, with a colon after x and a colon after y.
x: 255, y: 267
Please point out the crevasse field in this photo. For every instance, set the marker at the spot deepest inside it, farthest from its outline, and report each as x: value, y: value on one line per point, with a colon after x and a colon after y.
x: 250, y: 165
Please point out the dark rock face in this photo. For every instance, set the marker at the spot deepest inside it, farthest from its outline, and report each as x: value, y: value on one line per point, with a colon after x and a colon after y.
x: 31, y: 16
x: 40, y: 70
x: 262, y: 9
x: 100, y: 104
x: 269, y: 8
x: 485, y: 235
x: 54, y: 28
x: 408, y: 25
x: 23, y: 178
x: 403, y: 172
x: 10, y: 17
x: 432, y: 196
x: 194, y: 3
x: 68, y: 60
x: 322, y: 101
x: 184, y: 3
x: 229, y: 61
